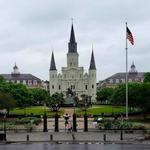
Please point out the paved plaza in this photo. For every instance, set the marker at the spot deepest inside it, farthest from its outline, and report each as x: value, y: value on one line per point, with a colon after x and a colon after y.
x: 93, y: 137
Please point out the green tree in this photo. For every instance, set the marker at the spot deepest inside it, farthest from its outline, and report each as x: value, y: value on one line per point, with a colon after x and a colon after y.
x: 40, y: 96
x: 147, y: 77
x: 138, y: 96
x: 7, y: 101
x: 21, y: 94
x: 2, y: 80
x: 55, y: 100
x: 118, y: 97
x: 104, y: 94
x: 143, y: 101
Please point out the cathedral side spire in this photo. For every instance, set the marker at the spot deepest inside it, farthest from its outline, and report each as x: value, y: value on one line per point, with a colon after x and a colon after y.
x: 92, y: 63
x: 72, y: 45
x: 52, y: 64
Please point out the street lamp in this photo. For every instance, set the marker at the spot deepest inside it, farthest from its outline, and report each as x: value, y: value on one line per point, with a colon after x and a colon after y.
x: 44, y: 108
x: 74, y: 106
x: 85, y: 108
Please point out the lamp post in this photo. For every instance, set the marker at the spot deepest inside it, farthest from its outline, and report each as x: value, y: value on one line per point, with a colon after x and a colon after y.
x: 85, y: 120
x: 74, y: 119
x: 85, y: 108
x: 56, y: 118
x: 74, y: 107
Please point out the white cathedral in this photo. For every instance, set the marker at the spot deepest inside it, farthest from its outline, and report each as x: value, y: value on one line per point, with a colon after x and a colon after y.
x: 73, y: 76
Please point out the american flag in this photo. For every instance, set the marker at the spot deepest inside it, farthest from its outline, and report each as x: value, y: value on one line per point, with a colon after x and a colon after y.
x: 129, y: 36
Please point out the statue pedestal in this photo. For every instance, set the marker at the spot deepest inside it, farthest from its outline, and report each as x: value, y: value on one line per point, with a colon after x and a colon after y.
x: 69, y: 100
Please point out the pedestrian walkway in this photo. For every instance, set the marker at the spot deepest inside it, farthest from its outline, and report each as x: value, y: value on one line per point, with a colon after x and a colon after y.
x: 77, y: 137
x: 69, y: 111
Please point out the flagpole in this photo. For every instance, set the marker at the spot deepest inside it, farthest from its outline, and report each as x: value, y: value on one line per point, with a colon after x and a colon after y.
x: 126, y: 75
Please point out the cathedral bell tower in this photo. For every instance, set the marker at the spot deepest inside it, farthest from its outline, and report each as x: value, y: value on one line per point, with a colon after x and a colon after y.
x: 92, y: 78
x: 72, y: 55
x: 52, y: 75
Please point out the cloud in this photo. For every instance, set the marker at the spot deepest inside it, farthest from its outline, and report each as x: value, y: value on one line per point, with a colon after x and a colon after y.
x: 31, y: 29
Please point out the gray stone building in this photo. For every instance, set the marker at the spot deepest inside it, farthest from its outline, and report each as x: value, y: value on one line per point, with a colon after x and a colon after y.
x: 133, y: 76
x: 27, y: 79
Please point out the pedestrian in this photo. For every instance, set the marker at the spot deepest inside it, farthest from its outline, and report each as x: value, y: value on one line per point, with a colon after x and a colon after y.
x: 69, y: 128
x: 66, y: 117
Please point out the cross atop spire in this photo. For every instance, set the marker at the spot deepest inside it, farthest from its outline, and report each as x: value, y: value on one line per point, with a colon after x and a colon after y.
x: 92, y: 63
x: 72, y: 45
x: 52, y: 64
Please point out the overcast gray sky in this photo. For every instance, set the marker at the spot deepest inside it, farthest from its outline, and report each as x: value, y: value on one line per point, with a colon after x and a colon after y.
x: 31, y: 29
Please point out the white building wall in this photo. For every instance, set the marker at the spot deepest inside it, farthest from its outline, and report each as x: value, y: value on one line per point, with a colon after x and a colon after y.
x: 53, y: 84
x: 92, y: 85
x: 74, y: 77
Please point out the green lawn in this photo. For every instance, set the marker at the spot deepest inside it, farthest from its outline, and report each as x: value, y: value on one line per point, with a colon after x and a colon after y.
x: 94, y: 110
x: 35, y: 110
x: 106, y: 109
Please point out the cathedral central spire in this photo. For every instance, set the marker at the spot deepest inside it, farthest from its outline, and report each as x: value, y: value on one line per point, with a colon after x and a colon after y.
x: 72, y: 45
x: 72, y: 36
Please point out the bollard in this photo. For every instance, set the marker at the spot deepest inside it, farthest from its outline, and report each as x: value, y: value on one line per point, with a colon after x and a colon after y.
x: 73, y: 137
x: 51, y: 137
x: 104, y: 137
x: 121, y: 134
x: 45, y: 123
x: 27, y: 137
x: 74, y: 123
x: 85, y: 122
x: 56, y: 123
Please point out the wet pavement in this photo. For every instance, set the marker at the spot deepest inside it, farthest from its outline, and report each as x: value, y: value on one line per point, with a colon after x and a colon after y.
x: 48, y: 146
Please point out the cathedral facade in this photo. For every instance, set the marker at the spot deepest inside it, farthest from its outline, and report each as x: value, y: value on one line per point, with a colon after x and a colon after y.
x: 73, y: 76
